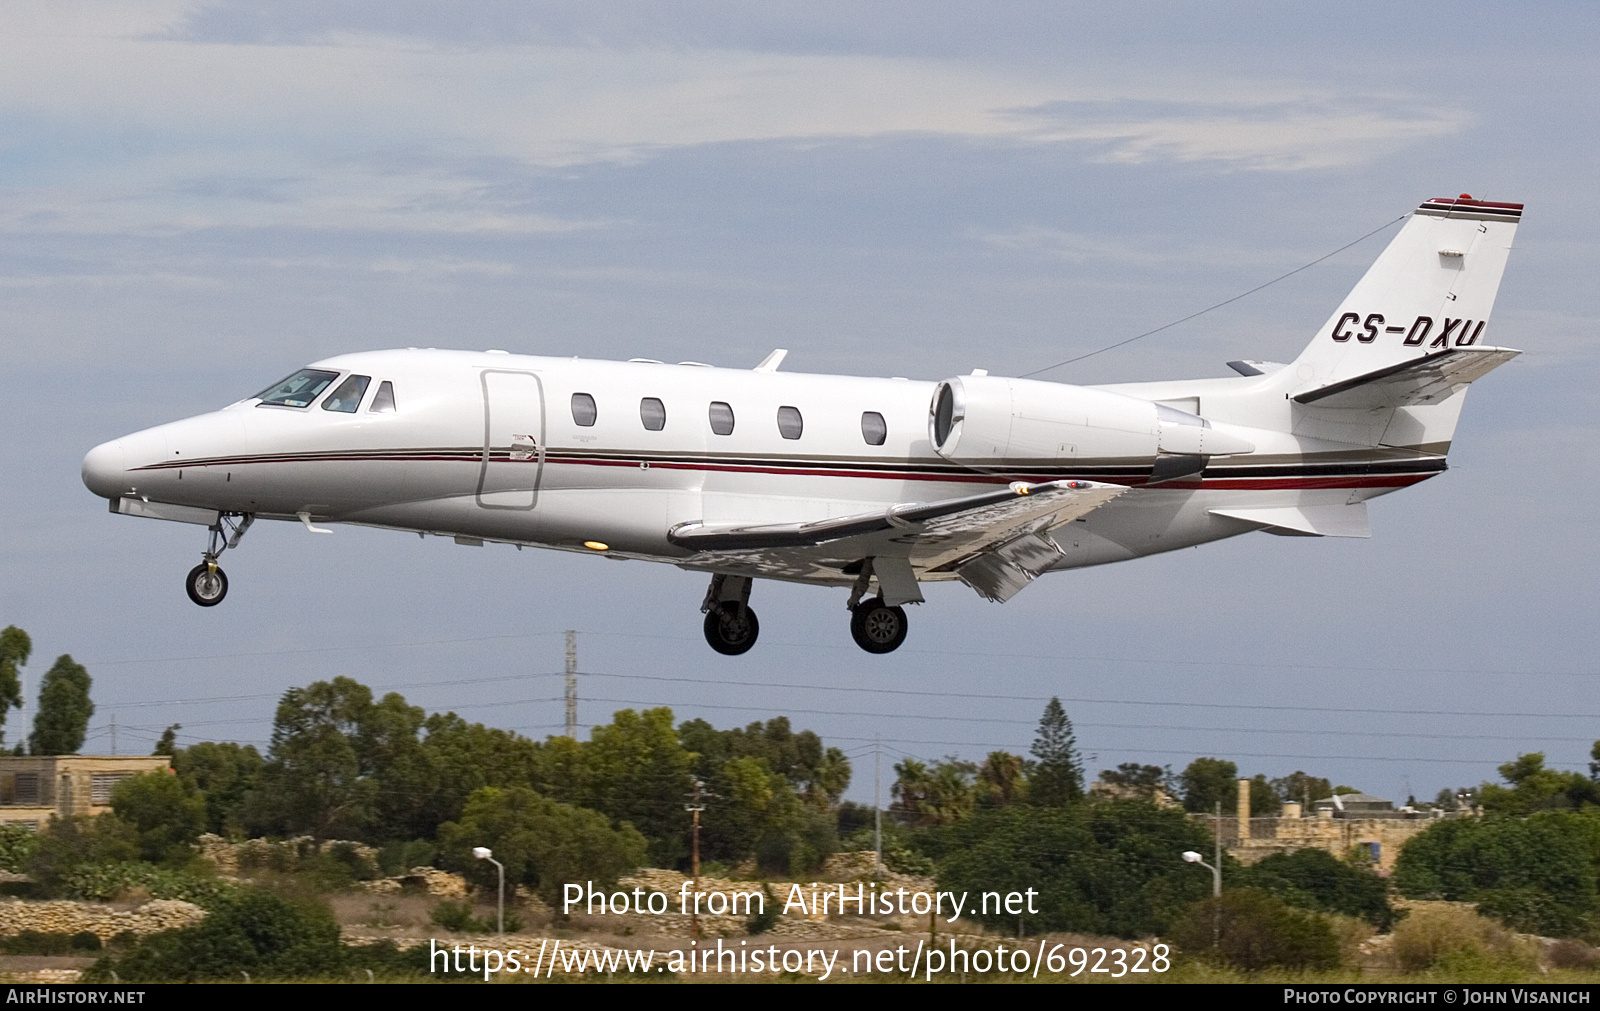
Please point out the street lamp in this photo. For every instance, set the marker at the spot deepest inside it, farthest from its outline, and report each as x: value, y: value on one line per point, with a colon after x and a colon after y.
x: 1191, y: 857
x: 484, y: 853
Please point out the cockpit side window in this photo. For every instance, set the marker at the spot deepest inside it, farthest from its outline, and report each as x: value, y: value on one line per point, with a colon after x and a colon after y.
x: 299, y: 390
x: 347, y: 397
x: 383, y: 400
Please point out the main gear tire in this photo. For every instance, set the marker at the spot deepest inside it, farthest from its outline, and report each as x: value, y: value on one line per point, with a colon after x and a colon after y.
x: 878, y: 627
x: 729, y: 632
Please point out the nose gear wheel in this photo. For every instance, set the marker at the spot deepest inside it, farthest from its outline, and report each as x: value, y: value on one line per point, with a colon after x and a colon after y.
x: 877, y: 627
x: 207, y: 584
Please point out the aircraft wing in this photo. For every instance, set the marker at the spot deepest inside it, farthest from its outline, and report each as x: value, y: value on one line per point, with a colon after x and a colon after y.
x: 995, y: 541
x: 1411, y: 383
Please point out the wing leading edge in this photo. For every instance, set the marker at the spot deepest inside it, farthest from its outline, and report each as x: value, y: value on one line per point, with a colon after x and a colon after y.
x: 996, y: 542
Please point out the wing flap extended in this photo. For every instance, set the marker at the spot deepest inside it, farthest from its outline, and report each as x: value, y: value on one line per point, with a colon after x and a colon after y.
x: 937, y: 540
x: 1417, y: 381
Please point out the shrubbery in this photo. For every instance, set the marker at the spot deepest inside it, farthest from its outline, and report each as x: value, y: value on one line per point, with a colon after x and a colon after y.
x: 1250, y: 929
x: 1316, y: 879
x: 1541, y: 874
x: 1099, y: 868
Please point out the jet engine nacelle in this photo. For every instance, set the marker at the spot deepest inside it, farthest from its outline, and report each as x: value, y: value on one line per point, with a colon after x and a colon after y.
x: 991, y: 420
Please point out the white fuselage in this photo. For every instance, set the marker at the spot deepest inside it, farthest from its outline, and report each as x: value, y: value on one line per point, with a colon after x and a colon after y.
x: 488, y: 445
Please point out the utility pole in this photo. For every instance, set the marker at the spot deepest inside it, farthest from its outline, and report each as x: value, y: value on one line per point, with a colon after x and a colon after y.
x: 697, y: 799
x: 113, y: 733
x: 572, y: 684
x: 877, y: 809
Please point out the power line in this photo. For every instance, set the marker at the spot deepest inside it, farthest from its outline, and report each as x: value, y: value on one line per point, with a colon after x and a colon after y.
x: 1219, y: 305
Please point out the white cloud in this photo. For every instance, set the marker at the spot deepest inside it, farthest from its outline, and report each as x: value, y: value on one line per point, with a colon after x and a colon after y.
x: 365, y: 132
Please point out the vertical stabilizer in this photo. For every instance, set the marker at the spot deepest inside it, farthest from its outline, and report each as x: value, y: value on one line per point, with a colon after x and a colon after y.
x: 1430, y: 291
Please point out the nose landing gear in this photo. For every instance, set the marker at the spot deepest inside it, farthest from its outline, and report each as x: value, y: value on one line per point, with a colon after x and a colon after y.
x: 206, y: 583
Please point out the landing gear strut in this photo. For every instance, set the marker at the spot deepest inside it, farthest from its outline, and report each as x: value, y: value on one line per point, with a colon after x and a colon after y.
x: 206, y: 583
x: 731, y: 627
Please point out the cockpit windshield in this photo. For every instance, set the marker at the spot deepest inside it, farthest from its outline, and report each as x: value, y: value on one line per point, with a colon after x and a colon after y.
x: 299, y: 390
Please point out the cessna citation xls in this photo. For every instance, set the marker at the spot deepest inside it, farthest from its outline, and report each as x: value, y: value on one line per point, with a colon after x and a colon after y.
x: 871, y: 485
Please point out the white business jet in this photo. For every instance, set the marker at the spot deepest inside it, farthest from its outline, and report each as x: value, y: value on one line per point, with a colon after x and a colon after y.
x: 871, y: 485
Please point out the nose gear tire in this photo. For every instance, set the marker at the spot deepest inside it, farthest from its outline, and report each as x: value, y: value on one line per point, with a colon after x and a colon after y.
x: 730, y: 634
x: 206, y: 585
x: 878, y: 627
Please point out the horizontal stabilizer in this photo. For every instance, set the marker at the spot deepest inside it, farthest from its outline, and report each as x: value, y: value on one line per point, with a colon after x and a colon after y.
x: 1410, y: 383
x: 1308, y: 520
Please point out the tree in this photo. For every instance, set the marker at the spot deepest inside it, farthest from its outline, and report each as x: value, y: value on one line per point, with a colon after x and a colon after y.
x: 1139, y: 781
x: 543, y: 844
x: 225, y: 775
x: 1207, y: 782
x: 64, y: 710
x: 636, y: 770
x: 313, y: 779
x: 1534, y: 788
x: 1002, y: 779
x: 1263, y: 798
x: 942, y: 794
x: 1500, y: 862
x: 1057, y: 775
x: 167, y: 812
x: 1098, y: 868
x: 169, y: 741
x: 1302, y: 788
x: 15, y: 648
x: 1594, y: 766
x: 1316, y: 879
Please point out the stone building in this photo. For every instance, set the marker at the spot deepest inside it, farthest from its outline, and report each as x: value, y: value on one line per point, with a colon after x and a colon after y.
x: 1355, y: 822
x: 34, y: 788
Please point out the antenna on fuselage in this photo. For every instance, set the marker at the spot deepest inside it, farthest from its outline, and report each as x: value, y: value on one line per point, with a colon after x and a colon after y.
x: 772, y: 361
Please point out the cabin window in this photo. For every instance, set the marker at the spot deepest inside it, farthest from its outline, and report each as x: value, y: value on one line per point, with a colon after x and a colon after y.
x: 583, y: 410
x: 790, y: 424
x: 873, y: 428
x: 721, y: 418
x: 299, y: 390
x: 347, y: 396
x: 383, y: 400
x: 653, y: 413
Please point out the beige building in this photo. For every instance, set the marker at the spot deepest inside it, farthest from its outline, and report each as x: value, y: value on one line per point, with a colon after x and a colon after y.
x: 36, y: 787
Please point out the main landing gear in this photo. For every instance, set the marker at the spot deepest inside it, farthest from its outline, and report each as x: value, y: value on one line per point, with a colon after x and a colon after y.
x: 731, y: 627
x: 206, y: 583
x: 876, y: 626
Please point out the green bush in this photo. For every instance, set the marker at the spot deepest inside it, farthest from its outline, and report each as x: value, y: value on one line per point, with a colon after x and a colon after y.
x: 17, y: 845
x: 166, y: 811
x: 541, y: 842
x: 34, y: 942
x: 108, y: 880
x: 457, y: 917
x: 1250, y: 930
x: 1099, y: 868
x: 397, y: 858
x: 253, y: 931
x: 767, y: 918
x: 1542, y: 871
x: 1316, y: 879
x: 1452, y: 938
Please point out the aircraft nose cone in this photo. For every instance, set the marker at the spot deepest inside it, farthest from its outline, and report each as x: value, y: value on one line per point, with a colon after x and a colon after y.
x: 105, y: 469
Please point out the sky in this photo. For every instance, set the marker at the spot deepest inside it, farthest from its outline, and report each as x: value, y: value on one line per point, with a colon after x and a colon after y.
x: 198, y: 198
